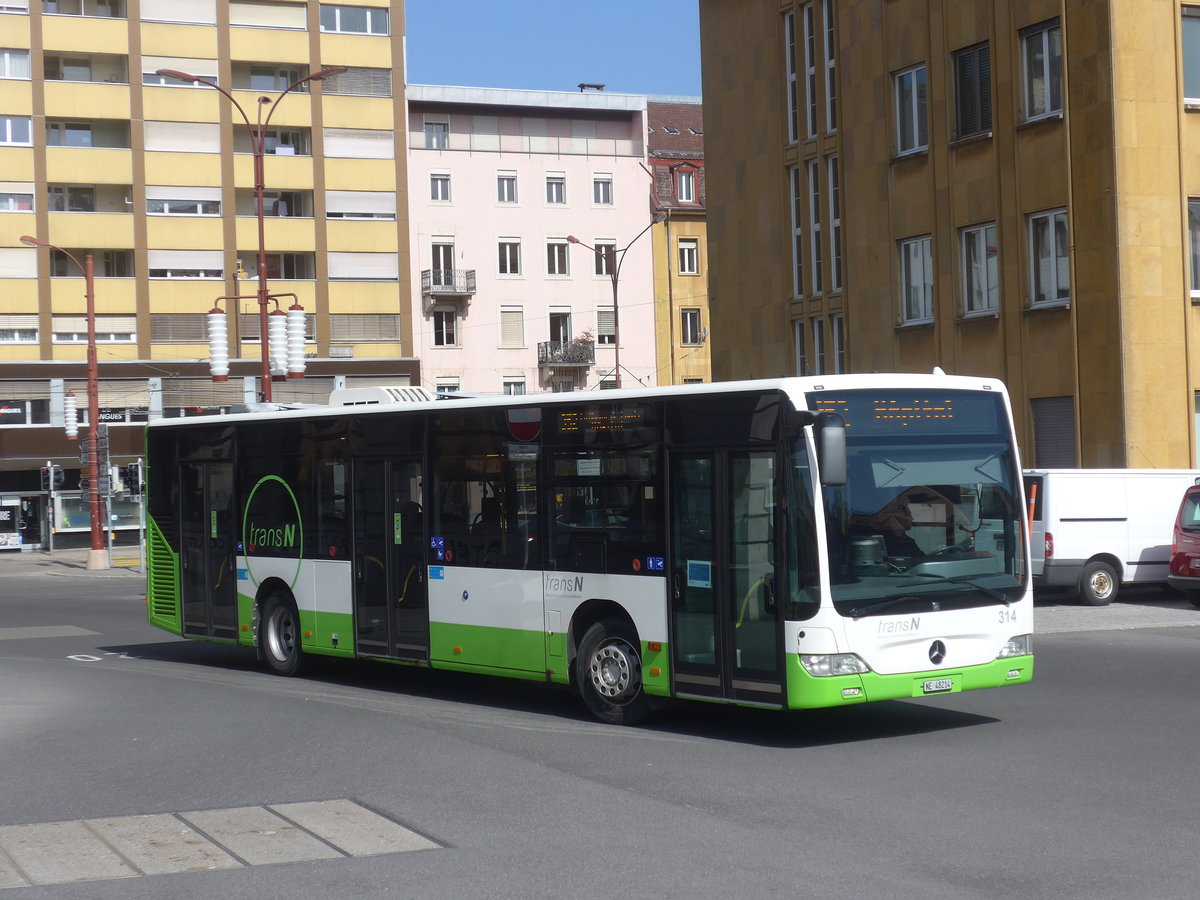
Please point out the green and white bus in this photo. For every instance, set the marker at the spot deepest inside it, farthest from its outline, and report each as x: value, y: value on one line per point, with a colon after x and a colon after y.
x: 793, y: 544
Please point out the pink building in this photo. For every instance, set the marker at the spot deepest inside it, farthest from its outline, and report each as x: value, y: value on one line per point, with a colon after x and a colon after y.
x: 498, y: 181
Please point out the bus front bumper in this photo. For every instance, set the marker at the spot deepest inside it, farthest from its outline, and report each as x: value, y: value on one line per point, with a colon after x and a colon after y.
x: 807, y: 691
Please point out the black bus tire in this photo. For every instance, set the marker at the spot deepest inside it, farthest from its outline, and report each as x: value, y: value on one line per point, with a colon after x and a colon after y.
x: 608, y: 672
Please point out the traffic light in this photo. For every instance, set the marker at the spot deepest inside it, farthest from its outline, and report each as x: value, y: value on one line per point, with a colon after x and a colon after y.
x: 131, y: 475
x: 52, y: 477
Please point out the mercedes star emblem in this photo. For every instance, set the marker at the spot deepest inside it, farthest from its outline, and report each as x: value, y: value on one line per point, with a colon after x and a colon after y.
x: 937, y: 652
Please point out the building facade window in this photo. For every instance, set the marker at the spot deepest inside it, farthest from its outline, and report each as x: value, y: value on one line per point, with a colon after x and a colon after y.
x: 830, y: 68
x: 1041, y: 50
x: 506, y: 187
x: 16, y: 197
x: 797, y: 209
x: 445, y: 328
x: 558, y: 260
x: 1049, y: 258
x: 14, y: 131
x: 512, y: 326
x: 689, y: 328
x: 183, y: 207
x: 835, y: 226
x: 437, y: 133
x: 602, y: 190
x: 556, y: 188
x: 1053, y: 432
x: 1194, y: 245
x: 814, y: 226
x: 801, y: 348
x: 510, y: 256
x: 916, y: 280
x: 981, y: 288
x: 14, y: 63
x: 606, y: 256
x: 790, y: 67
x: 439, y: 187
x: 818, y: 336
x: 514, y: 386
x: 837, y: 325
x: 354, y: 19
x: 1191, y: 54
x: 689, y: 256
x: 912, y: 129
x: 810, y: 70
x: 973, y: 91
x: 606, y: 325
x: 685, y: 185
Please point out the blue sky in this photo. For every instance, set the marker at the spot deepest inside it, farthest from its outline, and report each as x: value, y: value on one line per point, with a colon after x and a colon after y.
x: 628, y: 45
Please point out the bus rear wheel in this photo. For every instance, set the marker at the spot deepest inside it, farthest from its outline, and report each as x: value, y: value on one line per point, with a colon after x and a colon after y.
x: 608, y: 671
x: 281, y: 635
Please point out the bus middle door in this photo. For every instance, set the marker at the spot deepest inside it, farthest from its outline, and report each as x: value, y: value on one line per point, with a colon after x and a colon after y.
x: 391, y: 610
x: 725, y: 624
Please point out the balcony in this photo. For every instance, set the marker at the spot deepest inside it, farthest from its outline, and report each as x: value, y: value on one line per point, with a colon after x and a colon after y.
x: 574, y: 354
x: 447, y: 282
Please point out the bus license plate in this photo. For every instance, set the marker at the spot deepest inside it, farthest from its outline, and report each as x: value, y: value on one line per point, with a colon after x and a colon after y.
x: 938, y: 686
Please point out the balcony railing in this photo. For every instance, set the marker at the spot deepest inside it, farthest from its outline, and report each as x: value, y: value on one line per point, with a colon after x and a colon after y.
x: 567, y: 353
x: 448, y: 282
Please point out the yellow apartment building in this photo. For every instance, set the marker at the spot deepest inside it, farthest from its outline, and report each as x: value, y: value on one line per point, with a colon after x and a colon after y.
x: 152, y: 175
x: 675, y: 147
x: 997, y: 187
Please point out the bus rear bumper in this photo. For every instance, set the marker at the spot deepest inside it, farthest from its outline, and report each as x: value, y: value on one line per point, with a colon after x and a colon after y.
x: 810, y: 692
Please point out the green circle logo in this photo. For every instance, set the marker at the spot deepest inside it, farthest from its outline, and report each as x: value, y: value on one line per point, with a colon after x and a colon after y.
x: 271, y: 527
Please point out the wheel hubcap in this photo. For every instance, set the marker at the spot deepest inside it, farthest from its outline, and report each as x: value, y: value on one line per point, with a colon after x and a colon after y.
x: 1101, y: 585
x: 613, y: 670
x: 281, y: 635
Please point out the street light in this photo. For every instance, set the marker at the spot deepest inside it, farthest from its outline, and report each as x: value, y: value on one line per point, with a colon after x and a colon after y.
x: 614, y: 272
x: 97, y: 555
x: 258, y: 139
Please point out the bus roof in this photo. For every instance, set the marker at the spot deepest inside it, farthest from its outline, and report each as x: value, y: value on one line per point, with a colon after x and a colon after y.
x: 795, y: 387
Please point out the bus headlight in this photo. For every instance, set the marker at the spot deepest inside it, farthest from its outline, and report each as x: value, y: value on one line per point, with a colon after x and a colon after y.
x: 825, y: 664
x: 1016, y: 646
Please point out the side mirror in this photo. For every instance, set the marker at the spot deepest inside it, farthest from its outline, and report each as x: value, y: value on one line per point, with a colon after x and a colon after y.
x: 829, y: 430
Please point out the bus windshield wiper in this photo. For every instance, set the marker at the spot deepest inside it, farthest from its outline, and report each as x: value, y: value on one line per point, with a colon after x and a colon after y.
x: 994, y: 594
x: 965, y: 579
x: 861, y: 611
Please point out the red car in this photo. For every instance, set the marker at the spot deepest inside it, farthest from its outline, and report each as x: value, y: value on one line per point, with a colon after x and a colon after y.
x: 1185, y: 547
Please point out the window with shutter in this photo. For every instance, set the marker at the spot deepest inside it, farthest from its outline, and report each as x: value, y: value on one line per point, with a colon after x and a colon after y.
x: 973, y: 90
x: 512, y: 327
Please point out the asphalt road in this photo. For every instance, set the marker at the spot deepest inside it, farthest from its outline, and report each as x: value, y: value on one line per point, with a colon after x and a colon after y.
x: 1076, y: 786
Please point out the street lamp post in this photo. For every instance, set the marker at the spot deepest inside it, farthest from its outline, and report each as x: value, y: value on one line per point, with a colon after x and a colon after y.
x: 258, y: 138
x: 97, y: 555
x: 614, y: 273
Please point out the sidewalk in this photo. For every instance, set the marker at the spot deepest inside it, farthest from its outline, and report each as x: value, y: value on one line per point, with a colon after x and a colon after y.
x: 72, y: 561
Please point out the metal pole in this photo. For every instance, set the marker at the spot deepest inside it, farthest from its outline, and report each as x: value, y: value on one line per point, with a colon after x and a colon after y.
x: 258, y: 142
x: 612, y: 271
x: 96, y: 558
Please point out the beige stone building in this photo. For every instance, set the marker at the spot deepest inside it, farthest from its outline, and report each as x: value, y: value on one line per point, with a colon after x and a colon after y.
x: 1005, y: 188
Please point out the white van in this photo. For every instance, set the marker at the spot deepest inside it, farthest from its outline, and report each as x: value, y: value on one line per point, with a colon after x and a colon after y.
x: 1096, y: 529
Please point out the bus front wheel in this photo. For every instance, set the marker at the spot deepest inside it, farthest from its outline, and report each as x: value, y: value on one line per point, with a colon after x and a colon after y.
x: 281, y: 635
x: 608, y: 671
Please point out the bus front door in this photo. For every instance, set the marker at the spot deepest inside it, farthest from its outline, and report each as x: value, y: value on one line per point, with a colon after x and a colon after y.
x: 208, y: 532
x: 391, y: 609
x: 726, y: 632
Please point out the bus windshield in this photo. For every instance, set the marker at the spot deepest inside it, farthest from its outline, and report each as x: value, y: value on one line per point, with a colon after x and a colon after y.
x: 930, y: 515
